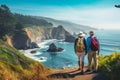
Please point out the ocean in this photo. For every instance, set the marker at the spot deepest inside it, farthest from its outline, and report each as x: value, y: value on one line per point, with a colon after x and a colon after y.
x: 109, y: 43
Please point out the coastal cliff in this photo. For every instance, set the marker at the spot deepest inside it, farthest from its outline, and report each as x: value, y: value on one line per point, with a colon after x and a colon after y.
x: 22, y: 31
x: 59, y: 32
x: 24, y: 39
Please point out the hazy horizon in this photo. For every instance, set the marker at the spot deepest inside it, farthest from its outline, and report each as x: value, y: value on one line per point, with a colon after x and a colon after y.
x: 94, y: 13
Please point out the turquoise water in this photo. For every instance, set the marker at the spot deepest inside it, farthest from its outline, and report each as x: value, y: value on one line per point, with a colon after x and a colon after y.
x: 109, y: 42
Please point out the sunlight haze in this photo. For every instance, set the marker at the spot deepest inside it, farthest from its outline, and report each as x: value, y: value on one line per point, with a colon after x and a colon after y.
x: 94, y: 13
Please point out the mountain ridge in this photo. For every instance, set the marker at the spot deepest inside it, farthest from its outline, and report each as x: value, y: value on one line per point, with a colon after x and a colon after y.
x: 69, y: 26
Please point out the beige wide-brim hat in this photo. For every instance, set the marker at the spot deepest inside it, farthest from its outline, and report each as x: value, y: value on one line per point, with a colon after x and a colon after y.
x: 81, y: 34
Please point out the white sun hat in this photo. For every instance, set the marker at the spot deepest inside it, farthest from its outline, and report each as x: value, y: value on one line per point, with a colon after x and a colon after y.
x: 81, y: 34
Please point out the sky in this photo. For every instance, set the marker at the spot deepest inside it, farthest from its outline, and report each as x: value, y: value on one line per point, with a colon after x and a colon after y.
x: 94, y: 13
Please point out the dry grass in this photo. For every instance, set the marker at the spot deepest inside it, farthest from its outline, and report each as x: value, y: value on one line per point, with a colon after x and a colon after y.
x: 35, y: 72
x: 15, y: 66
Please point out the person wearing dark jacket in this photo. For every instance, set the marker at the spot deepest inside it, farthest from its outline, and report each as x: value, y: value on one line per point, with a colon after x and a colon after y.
x: 80, y: 50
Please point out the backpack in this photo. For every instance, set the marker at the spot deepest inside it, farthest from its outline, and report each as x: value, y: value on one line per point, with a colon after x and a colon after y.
x: 94, y: 44
x: 80, y: 47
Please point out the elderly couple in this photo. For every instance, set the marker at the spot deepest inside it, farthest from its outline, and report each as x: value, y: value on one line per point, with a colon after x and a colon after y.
x: 89, y: 46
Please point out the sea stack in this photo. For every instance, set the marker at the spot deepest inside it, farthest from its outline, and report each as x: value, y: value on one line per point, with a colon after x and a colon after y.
x: 54, y: 48
x: 69, y: 38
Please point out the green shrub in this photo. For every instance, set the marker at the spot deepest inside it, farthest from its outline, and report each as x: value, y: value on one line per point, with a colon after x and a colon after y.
x: 110, y: 65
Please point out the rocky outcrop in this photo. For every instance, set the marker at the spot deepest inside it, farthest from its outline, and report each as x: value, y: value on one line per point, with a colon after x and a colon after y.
x: 59, y: 32
x: 37, y: 34
x: 20, y: 40
x: 34, y: 45
x: 53, y: 48
x: 69, y: 38
x: 33, y: 52
x: 32, y: 35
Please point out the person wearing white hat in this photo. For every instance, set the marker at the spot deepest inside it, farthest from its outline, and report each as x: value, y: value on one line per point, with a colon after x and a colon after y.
x: 81, y: 34
x: 80, y: 50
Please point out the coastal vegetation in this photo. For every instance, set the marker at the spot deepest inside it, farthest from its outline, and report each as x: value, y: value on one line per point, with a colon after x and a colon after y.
x: 15, y: 66
x: 12, y: 22
x: 32, y: 21
x: 7, y: 21
x: 110, y: 66
x: 20, y: 31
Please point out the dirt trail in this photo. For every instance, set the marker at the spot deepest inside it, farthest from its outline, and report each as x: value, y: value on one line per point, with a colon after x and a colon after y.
x: 74, y: 74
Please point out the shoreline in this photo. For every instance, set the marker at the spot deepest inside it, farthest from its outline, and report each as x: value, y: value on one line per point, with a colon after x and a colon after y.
x: 41, y: 45
x: 40, y: 58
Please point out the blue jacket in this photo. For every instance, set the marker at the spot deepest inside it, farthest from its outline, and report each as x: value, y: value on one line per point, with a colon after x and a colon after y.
x: 89, y: 44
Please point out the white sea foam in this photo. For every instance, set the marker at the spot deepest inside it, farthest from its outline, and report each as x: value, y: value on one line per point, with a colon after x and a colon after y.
x: 46, y: 42
x: 61, y: 51
x: 41, y: 45
x: 37, y: 53
x: 42, y: 59
x: 69, y: 66
x: 64, y: 42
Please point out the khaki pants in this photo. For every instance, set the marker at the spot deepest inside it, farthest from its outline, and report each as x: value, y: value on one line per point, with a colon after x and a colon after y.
x: 81, y: 59
x: 80, y: 56
x: 93, y: 55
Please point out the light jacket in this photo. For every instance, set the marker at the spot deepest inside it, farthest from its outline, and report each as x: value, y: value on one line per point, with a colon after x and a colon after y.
x: 88, y: 42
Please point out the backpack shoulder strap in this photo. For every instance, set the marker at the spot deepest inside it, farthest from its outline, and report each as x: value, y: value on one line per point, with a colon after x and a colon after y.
x: 76, y: 40
x: 93, y: 37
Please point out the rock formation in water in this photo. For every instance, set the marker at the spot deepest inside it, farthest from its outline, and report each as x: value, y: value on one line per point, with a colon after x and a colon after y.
x: 33, y: 52
x: 34, y: 45
x: 54, y: 48
x: 69, y: 38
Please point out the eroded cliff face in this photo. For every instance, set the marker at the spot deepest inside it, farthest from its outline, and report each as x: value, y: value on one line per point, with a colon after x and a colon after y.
x: 29, y: 37
x: 38, y: 34
x: 59, y: 33
x: 9, y: 40
x: 34, y: 34
x: 21, y: 40
x: 24, y: 40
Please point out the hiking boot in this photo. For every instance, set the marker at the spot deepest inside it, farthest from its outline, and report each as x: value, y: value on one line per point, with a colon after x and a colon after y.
x: 88, y: 70
x: 78, y: 68
x: 94, y: 71
x: 82, y: 73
